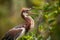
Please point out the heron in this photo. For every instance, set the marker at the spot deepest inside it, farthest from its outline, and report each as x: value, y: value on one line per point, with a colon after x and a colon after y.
x: 18, y: 31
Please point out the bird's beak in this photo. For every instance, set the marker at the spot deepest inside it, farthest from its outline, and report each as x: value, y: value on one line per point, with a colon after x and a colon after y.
x: 30, y: 13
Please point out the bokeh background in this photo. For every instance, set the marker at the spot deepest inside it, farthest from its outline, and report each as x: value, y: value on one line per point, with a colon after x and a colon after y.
x: 46, y: 17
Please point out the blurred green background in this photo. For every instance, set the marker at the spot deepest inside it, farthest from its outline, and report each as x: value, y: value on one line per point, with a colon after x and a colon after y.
x: 47, y: 21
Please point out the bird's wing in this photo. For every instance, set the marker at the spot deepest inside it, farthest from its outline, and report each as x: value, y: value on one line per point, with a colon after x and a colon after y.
x: 14, y: 33
x: 20, y: 34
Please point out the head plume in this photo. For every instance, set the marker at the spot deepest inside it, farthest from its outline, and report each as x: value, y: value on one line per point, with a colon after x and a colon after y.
x: 25, y: 10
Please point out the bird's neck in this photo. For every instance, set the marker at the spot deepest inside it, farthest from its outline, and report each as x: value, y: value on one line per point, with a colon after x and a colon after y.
x: 28, y: 19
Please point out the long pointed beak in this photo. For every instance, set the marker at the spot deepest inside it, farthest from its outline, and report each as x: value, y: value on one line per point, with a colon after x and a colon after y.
x: 30, y: 13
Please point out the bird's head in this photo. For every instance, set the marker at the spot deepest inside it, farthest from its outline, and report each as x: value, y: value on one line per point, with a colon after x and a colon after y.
x: 26, y: 11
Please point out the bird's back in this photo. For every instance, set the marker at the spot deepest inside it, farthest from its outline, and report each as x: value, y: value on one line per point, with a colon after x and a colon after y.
x: 13, y: 33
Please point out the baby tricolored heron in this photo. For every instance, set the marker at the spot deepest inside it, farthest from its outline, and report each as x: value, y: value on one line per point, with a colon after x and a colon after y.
x: 18, y: 31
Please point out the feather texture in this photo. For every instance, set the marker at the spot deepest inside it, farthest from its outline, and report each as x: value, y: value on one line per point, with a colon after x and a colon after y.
x: 18, y: 31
